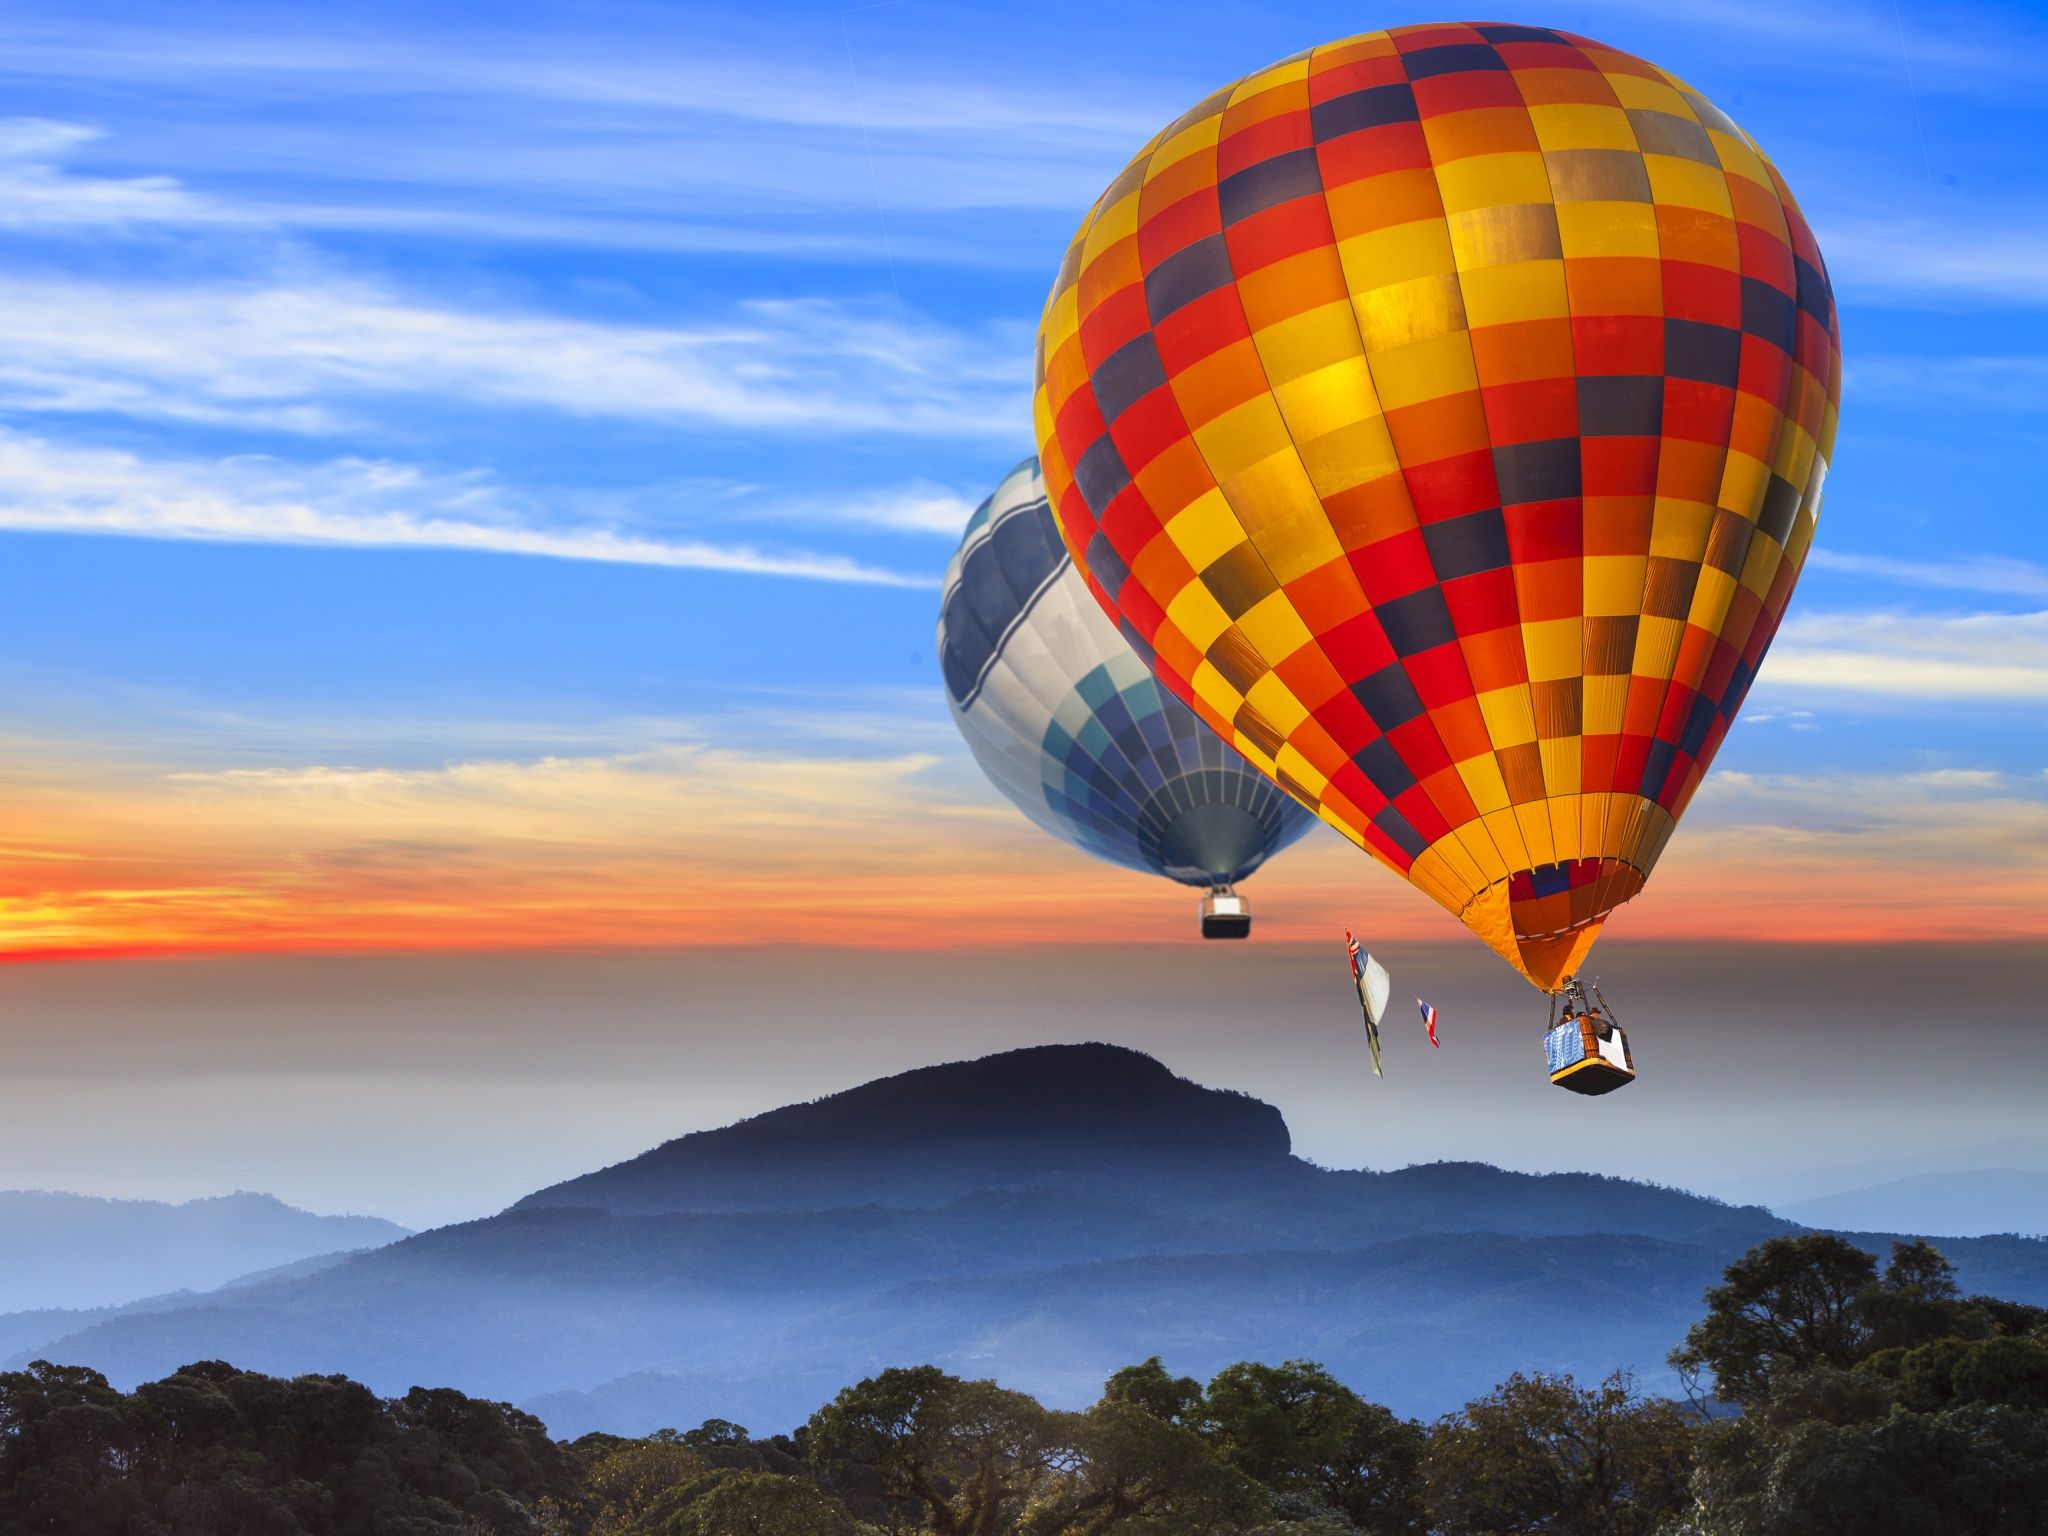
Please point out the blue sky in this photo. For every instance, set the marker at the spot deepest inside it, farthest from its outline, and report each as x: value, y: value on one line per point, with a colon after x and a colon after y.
x: 725, y: 317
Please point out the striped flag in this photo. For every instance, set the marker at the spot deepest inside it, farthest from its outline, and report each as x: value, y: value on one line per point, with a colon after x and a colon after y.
x: 1370, y: 979
x: 1429, y: 1022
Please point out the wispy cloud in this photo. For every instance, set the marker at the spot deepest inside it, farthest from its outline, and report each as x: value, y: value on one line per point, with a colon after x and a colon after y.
x: 1869, y: 40
x: 38, y: 191
x: 678, y: 842
x: 920, y: 507
x: 283, y: 356
x: 1888, y: 257
x: 657, y: 136
x: 1997, y: 658
x: 2002, y: 817
x: 669, y: 842
x: 1992, y: 575
x: 48, y: 487
x: 2018, y: 384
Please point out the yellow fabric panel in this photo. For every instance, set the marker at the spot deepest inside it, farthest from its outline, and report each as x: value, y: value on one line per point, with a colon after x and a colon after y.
x: 1206, y: 530
x: 1515, y: 291
x: 1491, y: 181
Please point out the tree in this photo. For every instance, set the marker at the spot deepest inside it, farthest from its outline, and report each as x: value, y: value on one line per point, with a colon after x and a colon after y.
x: 211, y: 1448
x: 1953, y: 1372
x: 1131, y: 1471
x: 732, y: 1502
x: 1790, y: 1303
x: 1973, y: 1469
x: 630, y: 1480
x: 1540, y: 1453
x: 1317, y: 1445
x: 964, y: 1457
x: 1149, y: 1385
x: 1916, y: 1300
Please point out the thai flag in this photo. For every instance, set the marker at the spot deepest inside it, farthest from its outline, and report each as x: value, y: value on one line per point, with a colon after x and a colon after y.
x: 1429, y: 1021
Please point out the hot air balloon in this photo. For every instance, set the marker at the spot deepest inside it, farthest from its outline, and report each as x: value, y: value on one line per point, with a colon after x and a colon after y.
x: 1442, y: 414
x: 1066, y: 721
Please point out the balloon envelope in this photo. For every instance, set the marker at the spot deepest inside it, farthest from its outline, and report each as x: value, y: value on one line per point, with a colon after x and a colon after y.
x: 1443, y: 414
x: 1067, y: 723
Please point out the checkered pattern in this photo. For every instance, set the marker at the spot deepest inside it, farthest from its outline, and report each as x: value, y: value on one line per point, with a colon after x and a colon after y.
x: 1069, y: 724
x: 1443, y: 414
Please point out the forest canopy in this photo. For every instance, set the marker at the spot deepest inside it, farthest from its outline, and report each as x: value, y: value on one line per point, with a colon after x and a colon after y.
x: 1825, y: 1392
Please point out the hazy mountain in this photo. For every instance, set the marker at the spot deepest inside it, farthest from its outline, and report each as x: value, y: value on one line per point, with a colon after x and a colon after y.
x: 1792, y: 1184
x: 1042, y: 1216
x: 78, y: 1251
x: 24, y: 1333
x: 1938, y: 1204
x: 1095, y: 1113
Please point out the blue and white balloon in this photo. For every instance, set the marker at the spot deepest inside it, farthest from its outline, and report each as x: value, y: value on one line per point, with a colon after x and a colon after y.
x: 1070, y: 725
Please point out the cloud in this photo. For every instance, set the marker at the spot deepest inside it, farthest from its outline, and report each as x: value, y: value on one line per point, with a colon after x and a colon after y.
x: 1976, y: 658
x: 1989, y: 55
x: 1951, y: 854
x: 1997, y: 383
x: 666, y: 842
x: 679, y: 842
x: 1919, y: 262
x: 1995, y: 575
x: 48, y: 487
x: 43, y: 193
x: 1976, y: 814
x: 36, y: 192
x: 656, y: 137
x: 280, y: 355
x: 919, y: 507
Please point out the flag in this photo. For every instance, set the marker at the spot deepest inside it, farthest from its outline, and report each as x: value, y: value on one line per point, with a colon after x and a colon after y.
x: 1370, y: 978
x: 1429, y: 1022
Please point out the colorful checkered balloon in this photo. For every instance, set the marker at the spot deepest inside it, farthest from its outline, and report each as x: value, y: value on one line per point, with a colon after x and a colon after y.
x: 1065, y: 720
x: 1442, y: 413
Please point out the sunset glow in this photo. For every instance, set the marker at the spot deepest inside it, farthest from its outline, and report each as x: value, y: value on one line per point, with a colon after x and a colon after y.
x: 690, y: 846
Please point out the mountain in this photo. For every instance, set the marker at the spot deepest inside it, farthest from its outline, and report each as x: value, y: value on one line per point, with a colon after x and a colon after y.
x: 1048, y: 1113
x: 25, y: 1333
x: 1043, y: 1216
x: 60, y: 1250
x: 1938, y: 1204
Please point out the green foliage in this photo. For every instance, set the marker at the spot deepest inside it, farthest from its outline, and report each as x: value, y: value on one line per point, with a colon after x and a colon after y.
x: 1789, y: 1304
x: 1317, y: 1445
x: 731, y: 1502
x: 964, y: 1456
x: 1972, y: 1469
x: 1128, y: 1470
x: 631, y: 1478
x: 1541, y: 1453
x: 1874, y: 1404
x: 1941, y: 1424
x: 1150, y: 1386
x: 213, y: 1449
x: 1946, y: 1373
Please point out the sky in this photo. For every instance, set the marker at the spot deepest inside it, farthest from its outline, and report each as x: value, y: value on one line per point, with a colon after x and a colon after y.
x: 477, y: 481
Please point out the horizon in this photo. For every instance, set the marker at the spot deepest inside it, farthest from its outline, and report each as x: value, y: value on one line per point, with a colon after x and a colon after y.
x: 522, y: 1083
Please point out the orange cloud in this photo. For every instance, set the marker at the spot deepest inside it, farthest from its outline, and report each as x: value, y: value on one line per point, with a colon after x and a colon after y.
x: 693, y: 845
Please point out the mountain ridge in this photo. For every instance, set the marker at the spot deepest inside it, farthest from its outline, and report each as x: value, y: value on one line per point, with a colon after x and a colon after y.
x: 1977, y: 1203
x: 1104, y: 1211
x: 1097, y: 1099
x: 63, y: 1250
